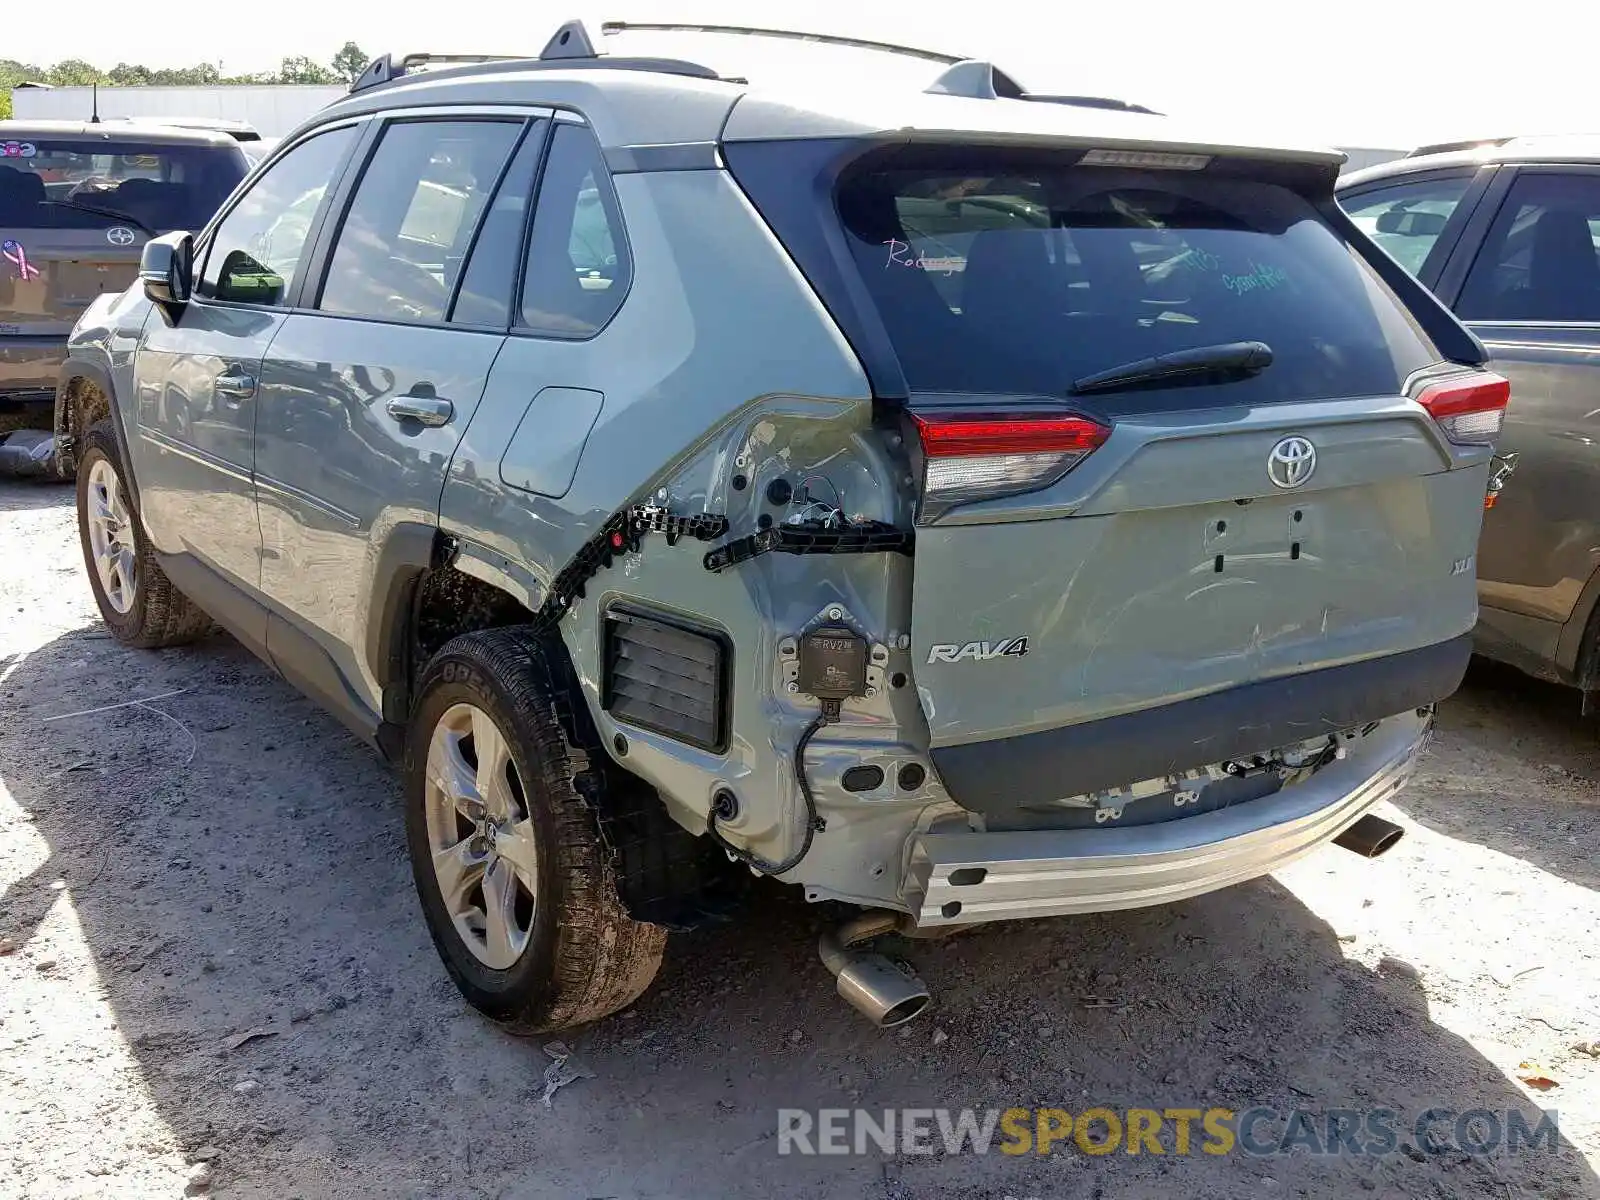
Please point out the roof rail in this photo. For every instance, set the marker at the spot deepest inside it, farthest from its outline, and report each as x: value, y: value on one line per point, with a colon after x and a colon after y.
x: 826, y: 39
x: 1466, y: 144
x: 968, y: 77
x: 569, y: 47
x: 1093, y: 102
x: 386, y: 67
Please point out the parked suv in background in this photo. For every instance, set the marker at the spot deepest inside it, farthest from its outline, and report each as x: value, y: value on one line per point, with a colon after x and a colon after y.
x: 961, y: 504
x: 1507, y: 235
x: 77, y: 202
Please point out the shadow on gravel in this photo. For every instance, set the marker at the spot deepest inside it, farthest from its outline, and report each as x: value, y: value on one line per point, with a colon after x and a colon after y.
x: 256, y: 879
x: 1554, y: 822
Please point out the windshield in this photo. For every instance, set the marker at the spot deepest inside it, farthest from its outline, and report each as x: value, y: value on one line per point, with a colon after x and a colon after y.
x: 1007, y: 274
x: 160, y: 187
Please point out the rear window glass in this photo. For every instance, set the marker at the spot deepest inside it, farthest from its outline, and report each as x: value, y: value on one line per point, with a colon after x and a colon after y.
x: 58, y: 184
x: 1024, y: 277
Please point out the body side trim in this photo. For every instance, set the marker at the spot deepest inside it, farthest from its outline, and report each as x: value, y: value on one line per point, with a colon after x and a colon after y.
x: 195, y: 454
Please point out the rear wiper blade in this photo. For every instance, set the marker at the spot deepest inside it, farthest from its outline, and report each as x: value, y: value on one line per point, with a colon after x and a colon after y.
x: 79, y: 206
x: 1229, y: 360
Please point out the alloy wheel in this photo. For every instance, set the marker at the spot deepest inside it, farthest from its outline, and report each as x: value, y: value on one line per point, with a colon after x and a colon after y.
x: 480, y: 836
x: 111, y: 537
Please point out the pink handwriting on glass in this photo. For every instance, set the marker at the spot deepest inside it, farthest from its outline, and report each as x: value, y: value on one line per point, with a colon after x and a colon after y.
x: 900, y: 256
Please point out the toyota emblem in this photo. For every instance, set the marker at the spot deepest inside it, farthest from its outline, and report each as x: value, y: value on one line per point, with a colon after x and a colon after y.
x: 1292, y: 462
x: 120, y: 235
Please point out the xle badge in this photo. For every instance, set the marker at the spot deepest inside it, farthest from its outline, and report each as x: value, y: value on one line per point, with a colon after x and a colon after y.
x: 1014, y: 647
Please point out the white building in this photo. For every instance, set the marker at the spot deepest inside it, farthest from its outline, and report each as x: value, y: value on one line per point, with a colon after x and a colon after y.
x: 271, y: 109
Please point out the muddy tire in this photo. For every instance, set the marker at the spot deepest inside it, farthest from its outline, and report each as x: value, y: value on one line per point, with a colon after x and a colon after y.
x: 516, y: 885
x: 137, y: 601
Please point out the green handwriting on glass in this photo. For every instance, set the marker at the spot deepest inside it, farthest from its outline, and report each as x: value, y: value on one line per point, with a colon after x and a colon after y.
x: 1259, y: 279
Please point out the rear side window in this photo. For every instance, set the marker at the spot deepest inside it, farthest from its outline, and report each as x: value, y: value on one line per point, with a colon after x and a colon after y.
x: 578, y: 268
x: 54, y: 183
x: 406, y: 234
x: 1539, y: 262
x: 1022, y: 277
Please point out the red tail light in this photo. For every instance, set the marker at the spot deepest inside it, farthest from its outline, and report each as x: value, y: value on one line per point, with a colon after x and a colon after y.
x: 978, y: 456
x: 1469, y: 408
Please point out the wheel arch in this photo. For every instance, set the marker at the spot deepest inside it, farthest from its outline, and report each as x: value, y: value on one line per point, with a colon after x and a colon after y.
x: 85, y: 395
x: 426, y: 590
x: 1578, y: 648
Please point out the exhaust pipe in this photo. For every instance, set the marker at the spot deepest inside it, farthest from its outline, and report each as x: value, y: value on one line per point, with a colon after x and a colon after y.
x: 879, y: 990
x: 1370, y: 836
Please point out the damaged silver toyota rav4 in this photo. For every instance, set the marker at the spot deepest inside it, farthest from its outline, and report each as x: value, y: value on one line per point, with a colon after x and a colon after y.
x: 961, y: 504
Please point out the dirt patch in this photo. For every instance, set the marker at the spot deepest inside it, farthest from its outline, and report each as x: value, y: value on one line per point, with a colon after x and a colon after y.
x: 213, y: 953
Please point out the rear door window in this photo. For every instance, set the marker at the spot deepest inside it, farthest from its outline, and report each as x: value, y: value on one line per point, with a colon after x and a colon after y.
x: 53, y: 183
x: 1539, y: 262
x: 1407, y: 218
x: 1018, y: 277
x: 490, y: 274
x: 407, y: 231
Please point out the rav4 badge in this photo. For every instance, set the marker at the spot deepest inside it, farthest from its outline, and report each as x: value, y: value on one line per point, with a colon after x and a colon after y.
x: 1014, y: 647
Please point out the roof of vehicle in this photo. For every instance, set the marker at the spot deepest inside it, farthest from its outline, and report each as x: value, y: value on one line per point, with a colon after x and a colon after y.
x: 1541, y: 148
x: 161, y: 135
x: 649, y: 102
x: 239, y: 131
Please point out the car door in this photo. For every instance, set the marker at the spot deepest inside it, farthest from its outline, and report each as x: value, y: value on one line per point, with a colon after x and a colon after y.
x: 195, y: 377
x: 1531, y: 290
x: 559, y: 284
x: 368, y: 386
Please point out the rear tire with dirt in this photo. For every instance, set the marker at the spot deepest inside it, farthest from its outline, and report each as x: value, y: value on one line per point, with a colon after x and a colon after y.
x: 517, y: 887
x: 137, y: 601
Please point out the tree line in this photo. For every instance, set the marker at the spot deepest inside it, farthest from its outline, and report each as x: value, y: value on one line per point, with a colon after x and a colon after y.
x: 343, y: 68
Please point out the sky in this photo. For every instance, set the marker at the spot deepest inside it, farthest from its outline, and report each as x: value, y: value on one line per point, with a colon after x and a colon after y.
x: 1370, y: 74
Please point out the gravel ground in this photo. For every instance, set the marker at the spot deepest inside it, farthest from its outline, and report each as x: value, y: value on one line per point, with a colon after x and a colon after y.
x: 227, y: 861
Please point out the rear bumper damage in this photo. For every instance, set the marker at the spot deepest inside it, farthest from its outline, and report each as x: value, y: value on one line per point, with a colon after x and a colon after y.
x: 968, y: 877
x: 999, y: 776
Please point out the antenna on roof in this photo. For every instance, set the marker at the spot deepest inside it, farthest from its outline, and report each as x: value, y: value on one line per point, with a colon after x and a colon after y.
x: 94, y: 104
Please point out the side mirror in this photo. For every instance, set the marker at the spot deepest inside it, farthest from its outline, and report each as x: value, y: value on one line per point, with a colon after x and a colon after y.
x: 166, y: 269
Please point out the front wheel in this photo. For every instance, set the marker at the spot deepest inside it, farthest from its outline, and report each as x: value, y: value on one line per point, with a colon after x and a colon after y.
x: 137, y: 601
x: 517, y: 888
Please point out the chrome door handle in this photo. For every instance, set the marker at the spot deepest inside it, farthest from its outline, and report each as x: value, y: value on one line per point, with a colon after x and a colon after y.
x: 235, y: 385
x: 425, y: 410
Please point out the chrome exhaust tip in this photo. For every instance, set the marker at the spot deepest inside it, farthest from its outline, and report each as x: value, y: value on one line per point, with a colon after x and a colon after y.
x: 881, y: 991
x: 1370, y: 836
x: 875, y: 987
